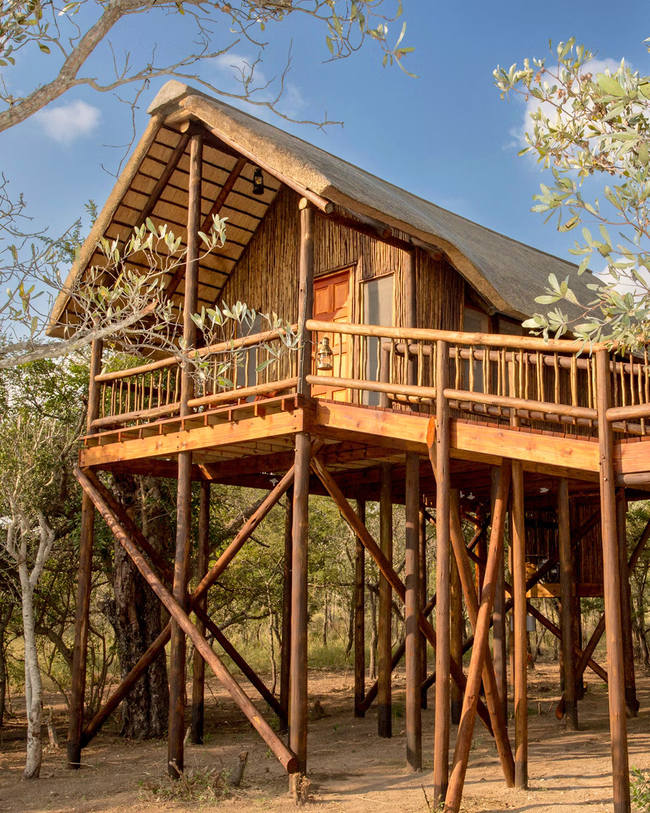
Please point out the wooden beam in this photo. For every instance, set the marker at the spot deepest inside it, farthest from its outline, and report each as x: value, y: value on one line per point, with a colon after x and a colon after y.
x: 359, y: 617
x: 84, y: 584
x: 631, y: 701
x: 443, y: 555
x: 305, y: 295
x: 412, y: 615
x: 285, y: 647
x: 298, y: 702
x: 566, y: 604
x: 376, y: 231
x: 177, y: 656
x: 500, y: 654
x: 611, y: 578
x: 198, y: 670
x: 384, y: 706
x: 164, y: 178
x: 519, y: 634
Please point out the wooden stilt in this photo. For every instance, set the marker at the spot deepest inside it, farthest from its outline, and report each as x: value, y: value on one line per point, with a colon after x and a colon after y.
x: 78, y: 682
x: 177, y: 665
x: 499, y: 619
x: 285, y: 658
x: 611, y: 575
x: 480, y: 651
x: 519, y: 633
x: 423, y: 573
x: 79, y: 652
x: 456, y: 647
x: 443, y: 656
x: 412, y: 614
x: 631, y: 701
x: 360, y: 618
x: 299, y: 605
x: 198, y: 672
x: 566, y: 588
x: 384, y: 708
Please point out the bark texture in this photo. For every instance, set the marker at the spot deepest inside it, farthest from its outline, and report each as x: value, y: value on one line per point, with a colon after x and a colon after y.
x: 136, y: 614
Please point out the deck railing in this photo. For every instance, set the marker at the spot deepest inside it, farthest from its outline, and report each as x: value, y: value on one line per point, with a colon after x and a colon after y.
x: 229, y: 371
x: 500, y: 376
x: 497, y: 376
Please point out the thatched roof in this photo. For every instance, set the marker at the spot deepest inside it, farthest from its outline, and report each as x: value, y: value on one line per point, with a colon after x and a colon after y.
x: 508, y: 274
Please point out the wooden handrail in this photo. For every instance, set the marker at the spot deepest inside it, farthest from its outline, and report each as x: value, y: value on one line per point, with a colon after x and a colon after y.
x: 453, y: 337
x: 234, y: 344
x: 546, y: 407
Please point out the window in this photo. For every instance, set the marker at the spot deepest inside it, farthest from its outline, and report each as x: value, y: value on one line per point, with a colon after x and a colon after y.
x: 377, y: 307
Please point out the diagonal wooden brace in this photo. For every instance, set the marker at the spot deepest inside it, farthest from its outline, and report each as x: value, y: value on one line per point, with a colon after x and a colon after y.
x: 94, y: 725
x: 284, y: 755
x: 387, y: 570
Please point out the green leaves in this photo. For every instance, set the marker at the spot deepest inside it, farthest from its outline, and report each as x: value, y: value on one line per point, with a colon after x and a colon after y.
x: 609, y: 85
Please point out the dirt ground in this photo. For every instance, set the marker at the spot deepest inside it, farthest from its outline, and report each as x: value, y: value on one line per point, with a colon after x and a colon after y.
x: 350, y: 768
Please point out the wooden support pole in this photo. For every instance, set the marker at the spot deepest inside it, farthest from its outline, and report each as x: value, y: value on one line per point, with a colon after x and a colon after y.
x: 285, y: 658
x: 84, y: 578
x: 284, y: 755
x: 566, y: 606
x: 443, y: 542
x: 520, y: 675
x: 177, y: 659
x: 456, y: 647
x: 305, y: 294
x: 412, y: 615
x: 611, y: 578
x: 298, y: 703
x: 423, y: 573
x: 360, y: 618
x: 499, y: 643
x: 384, y: 635
x: 480, y: 651
x: 198, y: 671
x: 631, y: 701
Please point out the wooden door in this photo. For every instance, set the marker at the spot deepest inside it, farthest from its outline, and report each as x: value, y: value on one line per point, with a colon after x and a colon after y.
x: 332, y: 303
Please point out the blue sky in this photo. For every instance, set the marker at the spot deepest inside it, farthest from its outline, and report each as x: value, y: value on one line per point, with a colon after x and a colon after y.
x: 445, y: 136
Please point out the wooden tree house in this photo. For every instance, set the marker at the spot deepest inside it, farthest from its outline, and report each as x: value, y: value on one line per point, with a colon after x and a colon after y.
x: 434, y: 399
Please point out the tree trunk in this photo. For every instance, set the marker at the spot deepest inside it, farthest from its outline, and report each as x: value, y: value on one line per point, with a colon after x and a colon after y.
x: 374, y: 635
x: 135, y: 613
x: 33, y: 685
x: 5, y: 618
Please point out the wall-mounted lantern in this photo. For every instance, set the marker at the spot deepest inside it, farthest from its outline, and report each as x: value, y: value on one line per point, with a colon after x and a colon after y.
x: 324, y: 357
x: 258, y: 182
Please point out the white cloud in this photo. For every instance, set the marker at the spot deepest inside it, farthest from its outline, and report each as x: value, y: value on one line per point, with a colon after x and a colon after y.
x: 532, y: 105
x: 69, y: 121
x: 237, y: 68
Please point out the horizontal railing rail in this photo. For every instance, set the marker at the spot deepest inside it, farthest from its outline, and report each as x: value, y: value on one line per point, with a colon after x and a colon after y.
x: 495, y: 376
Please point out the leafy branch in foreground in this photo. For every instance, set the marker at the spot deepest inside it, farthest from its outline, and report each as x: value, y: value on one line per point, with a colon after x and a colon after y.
x: 592, y: 131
